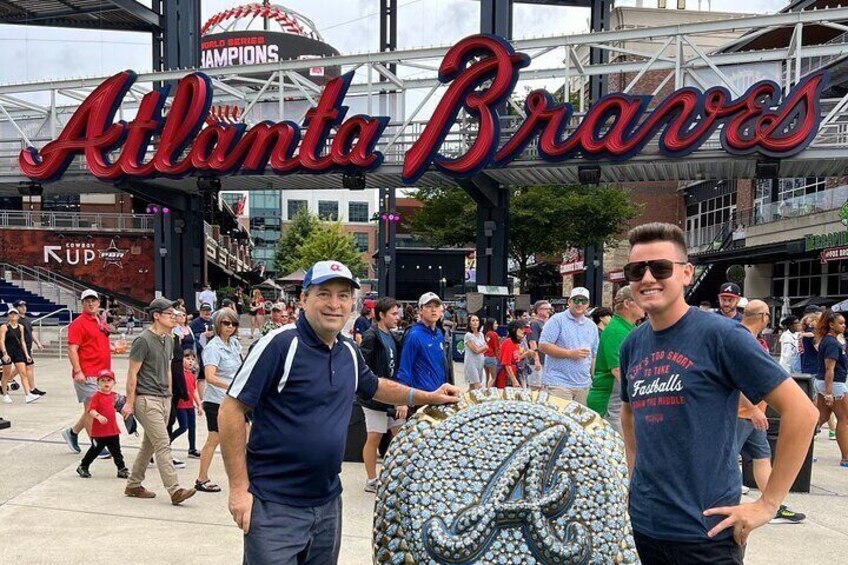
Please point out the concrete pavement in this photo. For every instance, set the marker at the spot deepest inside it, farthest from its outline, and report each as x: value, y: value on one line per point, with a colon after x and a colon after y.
x: 49, y: 515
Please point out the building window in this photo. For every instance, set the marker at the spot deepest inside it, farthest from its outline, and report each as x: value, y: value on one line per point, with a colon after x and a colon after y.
x: 705, y: 220
x: 295, y: 206
x: 361, y: 241
x: 357, y: 212
x: 265, y: 200
x: 328, y: 210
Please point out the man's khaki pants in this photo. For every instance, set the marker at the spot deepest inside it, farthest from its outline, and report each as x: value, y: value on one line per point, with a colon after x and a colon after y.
x: 152, y: 413
x: 578, y: 395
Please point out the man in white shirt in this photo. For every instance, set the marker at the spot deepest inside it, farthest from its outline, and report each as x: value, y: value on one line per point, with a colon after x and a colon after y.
x: 207, y: 296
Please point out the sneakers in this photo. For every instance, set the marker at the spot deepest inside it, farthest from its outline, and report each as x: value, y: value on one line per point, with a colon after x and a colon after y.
x: 786, y: 516
x: 7, y: 399
x: 139, y: 492
x: 123, y: 473
x: 745, y: 490
x: 178, y: 464
x: 104, y: 455
x: 371, y: 485
x: 193, y: 454
x: 30, y: 398
x: 71, y: 439
x: 13, y: 385
x: 83, y: 472
x: 831, y: 435
x: 182, y: 495
x: 37, y: 392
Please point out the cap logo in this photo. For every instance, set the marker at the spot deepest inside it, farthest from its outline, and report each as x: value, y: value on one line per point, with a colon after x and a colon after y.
x: 335, y: 267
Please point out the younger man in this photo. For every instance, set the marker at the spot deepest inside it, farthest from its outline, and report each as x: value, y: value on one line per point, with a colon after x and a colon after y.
x: 104, y: 427
x: 681, y: 374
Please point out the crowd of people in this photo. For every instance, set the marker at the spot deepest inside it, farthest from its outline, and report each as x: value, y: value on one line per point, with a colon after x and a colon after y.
x: 686, y: 389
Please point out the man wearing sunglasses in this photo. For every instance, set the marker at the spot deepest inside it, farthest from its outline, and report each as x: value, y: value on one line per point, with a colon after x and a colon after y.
x: 149, y: 390
x: 681, y: 375
x: 569, y: 341
x: 299, y: 383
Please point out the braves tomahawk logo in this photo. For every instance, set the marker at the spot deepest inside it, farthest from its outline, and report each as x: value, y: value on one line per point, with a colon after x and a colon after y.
x: 528, y: 491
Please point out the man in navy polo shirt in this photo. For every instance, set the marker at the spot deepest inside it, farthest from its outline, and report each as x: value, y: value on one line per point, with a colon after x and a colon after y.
x: 422, y: 360
x: 299, y: 383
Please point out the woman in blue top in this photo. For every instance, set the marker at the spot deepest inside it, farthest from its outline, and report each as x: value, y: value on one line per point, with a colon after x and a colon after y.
x: 809, y: 355
x: 221, y: 361
x: 831, y: 390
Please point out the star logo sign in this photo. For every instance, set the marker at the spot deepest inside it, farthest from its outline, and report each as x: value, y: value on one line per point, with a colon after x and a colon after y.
x: 112, y: 255
x: 335, y: 267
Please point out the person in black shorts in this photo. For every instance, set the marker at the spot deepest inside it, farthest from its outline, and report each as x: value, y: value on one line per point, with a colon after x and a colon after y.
x: 14, y: 353
x: 29, y: 337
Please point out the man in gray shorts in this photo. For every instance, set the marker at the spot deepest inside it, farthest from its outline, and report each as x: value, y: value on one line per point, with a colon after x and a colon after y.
x: 89, y: 351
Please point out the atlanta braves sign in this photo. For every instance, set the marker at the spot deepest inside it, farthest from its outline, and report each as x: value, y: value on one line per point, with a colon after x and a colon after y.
x: 482, y: 71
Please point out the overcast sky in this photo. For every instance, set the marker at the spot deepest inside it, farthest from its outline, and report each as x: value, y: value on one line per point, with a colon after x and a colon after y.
x: 35, y: 53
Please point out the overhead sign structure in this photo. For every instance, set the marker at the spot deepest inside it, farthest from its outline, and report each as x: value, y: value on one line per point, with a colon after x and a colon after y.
x: 481, y: 70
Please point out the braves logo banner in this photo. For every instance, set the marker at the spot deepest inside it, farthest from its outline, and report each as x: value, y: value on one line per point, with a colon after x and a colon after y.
x: 481, y: 71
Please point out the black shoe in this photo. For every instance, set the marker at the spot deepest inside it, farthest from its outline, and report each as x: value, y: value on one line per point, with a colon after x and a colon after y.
x: 38, y: 392
x: 83, y: 472
x: 123, y: 473
x: 13, y: 385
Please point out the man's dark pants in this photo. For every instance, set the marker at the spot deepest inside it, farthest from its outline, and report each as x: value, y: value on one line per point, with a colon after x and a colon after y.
x: 293, y: 535
x: 712, y: 552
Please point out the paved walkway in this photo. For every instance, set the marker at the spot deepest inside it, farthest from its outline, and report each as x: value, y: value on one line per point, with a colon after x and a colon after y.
x: 49, y: 515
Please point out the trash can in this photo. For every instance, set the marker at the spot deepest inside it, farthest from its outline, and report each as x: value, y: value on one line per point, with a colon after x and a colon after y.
x: 802, y: 481
x: 458, y: 346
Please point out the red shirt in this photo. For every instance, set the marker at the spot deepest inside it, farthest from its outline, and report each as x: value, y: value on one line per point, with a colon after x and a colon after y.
x: 510, y: 355
x: 492, y: 342
x: 92, y: 337
x: 104, y: 404
x: 191, y: 386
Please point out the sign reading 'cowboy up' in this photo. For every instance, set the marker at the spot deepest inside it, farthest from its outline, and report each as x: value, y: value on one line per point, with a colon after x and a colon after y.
x: 482, y: 71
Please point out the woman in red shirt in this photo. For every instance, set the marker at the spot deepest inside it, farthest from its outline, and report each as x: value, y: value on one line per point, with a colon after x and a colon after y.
x: 490, y: 360
x: 510, y: 354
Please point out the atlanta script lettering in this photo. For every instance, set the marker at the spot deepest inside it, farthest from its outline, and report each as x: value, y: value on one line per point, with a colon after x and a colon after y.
x: 482, y: 71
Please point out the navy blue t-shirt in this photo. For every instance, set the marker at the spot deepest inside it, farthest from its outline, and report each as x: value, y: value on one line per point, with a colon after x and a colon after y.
x: 301, y: 393
x: 683, y: 386
x: 809, y: 355
x: 830, y: 348
x: 390, y: 351
x: 361, y: 325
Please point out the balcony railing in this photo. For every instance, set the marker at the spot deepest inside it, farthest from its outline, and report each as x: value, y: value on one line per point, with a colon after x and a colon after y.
x: 805, y: 205
x: 75, y: 221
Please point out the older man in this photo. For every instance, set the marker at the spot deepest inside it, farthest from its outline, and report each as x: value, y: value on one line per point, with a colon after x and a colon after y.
x: 570, y: 343
x: 605, y: 395
x: 279, y: 318
x: 299, y: 386
x: 89, y: 352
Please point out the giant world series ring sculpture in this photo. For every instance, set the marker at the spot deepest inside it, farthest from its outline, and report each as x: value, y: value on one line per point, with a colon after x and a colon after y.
x: 505, y: 477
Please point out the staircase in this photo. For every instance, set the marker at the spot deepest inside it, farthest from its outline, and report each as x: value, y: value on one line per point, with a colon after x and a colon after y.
x: 37, y: 306
x: 708, y: 277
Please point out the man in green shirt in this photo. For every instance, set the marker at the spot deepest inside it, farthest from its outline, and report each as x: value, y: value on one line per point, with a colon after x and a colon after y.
x: 604, y: 396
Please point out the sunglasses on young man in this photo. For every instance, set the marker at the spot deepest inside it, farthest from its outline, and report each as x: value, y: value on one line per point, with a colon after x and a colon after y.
x: 660, y: 269
x: 579, y: 301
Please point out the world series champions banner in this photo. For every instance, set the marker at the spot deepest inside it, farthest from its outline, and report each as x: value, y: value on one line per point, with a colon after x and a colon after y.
x: 481, y: 71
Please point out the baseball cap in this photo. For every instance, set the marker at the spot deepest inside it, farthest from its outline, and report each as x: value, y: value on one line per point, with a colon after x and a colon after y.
x: 160, y: 304
x: 278, y: 307
x: 623, y: 294
x: 88, y: 293
x: 206, y: 307
x: 105, y: 374
x: 730, y: 289
x: 579, y: 291
x: 428, y: 297
x: 17, y: 303
x: 324, y: 271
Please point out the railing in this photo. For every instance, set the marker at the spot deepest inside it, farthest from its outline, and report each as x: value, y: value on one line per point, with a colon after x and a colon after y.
x: 60, y: 340
x: 41, y: 319
x: 721, y: 240
x: 799, y: 206
x: 809, y: 65
x: 16, y: 219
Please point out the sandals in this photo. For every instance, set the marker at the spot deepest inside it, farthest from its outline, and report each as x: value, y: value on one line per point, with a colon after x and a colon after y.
x: 206, y: 486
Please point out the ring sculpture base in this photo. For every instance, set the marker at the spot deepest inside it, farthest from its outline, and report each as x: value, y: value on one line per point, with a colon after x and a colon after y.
x: 504, y: 476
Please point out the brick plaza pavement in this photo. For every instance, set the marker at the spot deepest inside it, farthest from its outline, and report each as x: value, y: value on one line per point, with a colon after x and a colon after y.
x: 49, y: 515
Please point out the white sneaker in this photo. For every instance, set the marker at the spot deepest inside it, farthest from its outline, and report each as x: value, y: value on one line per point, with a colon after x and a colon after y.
x: 371, y: 486
x: 29, y: 398
x: 7, y: 399
x: 179, y: 464
x: 745, y: 490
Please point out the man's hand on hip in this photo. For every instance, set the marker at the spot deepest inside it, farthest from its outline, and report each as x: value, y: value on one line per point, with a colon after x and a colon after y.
x: 744, y: 518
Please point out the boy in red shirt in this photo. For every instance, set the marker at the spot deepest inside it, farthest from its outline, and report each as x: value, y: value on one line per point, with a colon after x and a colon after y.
x: 104, y: 426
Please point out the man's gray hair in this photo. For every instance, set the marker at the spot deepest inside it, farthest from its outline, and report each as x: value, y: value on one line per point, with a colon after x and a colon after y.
x: 538, y: 304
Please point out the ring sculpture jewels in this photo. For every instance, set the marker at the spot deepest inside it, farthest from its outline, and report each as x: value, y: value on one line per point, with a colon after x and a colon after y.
x: 504, y: 476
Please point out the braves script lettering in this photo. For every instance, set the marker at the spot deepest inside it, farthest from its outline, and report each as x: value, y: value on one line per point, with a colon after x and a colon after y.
x: 482, y: 71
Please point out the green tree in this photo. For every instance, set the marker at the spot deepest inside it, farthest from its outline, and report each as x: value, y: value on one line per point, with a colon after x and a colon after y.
x: 285, y: 255
x: 544, y: 220
x: 329, y: 241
